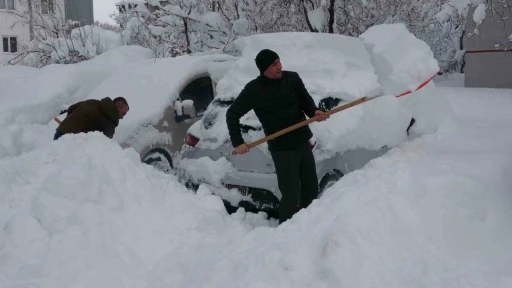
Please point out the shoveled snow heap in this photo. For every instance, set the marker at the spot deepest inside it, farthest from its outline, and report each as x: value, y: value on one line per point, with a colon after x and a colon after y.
x: 82, y: 212
x: 403, y: 63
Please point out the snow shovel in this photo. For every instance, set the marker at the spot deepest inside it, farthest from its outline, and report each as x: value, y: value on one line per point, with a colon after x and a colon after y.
x: 306, y: 122
x: 335, y: 110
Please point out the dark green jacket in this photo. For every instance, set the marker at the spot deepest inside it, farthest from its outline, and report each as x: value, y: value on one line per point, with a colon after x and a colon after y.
x: 91, y: 115
x: 278, y: 104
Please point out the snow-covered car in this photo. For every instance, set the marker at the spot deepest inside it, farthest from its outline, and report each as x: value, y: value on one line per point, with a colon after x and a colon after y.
x: 335, y: 69
x: 166, y: 96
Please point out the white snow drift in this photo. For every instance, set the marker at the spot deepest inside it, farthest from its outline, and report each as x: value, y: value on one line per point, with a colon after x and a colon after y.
x: 83, y: 212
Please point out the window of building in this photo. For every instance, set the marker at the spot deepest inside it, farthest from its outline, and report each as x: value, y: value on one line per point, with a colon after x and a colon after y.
x: 10, y: 44
x: 47, y: 7
x: 7, y: 4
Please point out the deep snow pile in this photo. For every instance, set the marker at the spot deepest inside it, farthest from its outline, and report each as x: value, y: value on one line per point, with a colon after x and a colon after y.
x: 435, y: 212
x: 401, y: 60
x: 84, y: 212
x: 403, y: 63
x: 31, y: 97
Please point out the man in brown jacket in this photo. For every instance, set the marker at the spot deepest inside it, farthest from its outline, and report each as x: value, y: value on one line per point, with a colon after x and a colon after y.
x: 93, y: 115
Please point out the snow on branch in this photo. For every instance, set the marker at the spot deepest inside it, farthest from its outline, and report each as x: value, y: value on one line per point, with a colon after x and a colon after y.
x: 55, y: 40
x: 484, y: 10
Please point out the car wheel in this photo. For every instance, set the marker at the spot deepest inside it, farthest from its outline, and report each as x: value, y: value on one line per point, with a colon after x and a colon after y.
x: 328, y: 180
x: 160, y: 159
x: 192, y: 186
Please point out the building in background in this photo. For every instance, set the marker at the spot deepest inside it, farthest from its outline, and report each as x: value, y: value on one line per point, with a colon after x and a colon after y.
x: 488, y: 58
x: 17, y: 18
x: 81, y: 11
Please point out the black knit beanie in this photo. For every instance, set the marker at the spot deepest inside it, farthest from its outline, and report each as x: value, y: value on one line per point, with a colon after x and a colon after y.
x: 265, y: 58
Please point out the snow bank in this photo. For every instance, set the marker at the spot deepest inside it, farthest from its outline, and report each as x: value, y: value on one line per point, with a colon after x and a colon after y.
x: 434, y: 212
x: 32, y: 97
x: 101, y: 218
x: 372, y: 125
x: 12, y: 72
x: 122, y: 56
x: 403, y: 63
x: 431, y: 213
x: 40, y: 95
x: 16, y: 139
x: 429, y: 108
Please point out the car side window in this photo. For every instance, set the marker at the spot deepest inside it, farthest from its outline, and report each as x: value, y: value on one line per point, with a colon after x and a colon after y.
x: 201, y: 92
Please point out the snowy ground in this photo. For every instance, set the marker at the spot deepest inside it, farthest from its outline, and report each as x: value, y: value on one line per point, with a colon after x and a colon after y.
x: 435, y: 212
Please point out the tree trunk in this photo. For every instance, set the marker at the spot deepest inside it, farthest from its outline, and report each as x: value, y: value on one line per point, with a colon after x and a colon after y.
x: 461, y: 47
x: 185, y: 24
x: 311, y: 28
x: 31, y: 20
x: 331, y: 16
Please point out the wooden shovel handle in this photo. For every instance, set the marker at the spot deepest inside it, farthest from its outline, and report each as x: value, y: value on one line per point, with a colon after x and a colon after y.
x: 304, y: 123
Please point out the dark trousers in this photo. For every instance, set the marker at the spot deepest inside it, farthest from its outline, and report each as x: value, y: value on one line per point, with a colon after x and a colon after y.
x: 57, y: 135
x: 297, y: 180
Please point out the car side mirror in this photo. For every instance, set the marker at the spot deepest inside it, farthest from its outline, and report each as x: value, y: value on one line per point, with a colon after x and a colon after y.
x: 184, y: 110
x: 188, y: 108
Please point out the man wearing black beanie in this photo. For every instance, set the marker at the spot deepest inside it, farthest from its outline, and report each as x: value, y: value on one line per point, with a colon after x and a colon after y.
x: 280, y: 100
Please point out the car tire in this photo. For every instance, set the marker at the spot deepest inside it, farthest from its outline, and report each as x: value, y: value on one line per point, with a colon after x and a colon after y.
x: 192, y: 186
x: 328, y: 180
x: 160, y: 159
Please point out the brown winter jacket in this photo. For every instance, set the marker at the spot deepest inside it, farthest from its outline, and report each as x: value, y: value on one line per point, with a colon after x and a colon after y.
x: 91, y: 115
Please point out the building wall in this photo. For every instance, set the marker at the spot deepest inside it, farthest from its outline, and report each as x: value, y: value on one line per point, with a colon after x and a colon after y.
x: 80, y: 10
x: 490, y: 70
x: 10, y: 26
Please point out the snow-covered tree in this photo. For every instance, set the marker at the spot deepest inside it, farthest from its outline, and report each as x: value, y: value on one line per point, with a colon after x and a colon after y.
x: 187, y: 26
x: 181, y: 27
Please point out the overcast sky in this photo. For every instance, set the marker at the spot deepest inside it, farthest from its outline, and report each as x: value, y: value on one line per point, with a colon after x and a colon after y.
x: 102, y: 10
